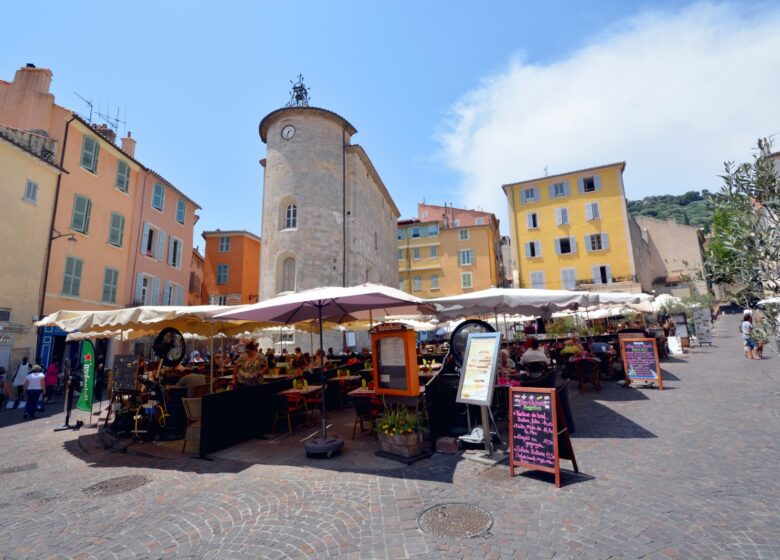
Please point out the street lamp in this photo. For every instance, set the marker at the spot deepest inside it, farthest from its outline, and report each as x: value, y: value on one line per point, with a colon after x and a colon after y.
x: 70, y: 236
x: 71, y: 244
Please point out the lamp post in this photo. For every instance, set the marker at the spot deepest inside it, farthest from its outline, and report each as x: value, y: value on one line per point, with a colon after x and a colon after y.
x: 54, y: 236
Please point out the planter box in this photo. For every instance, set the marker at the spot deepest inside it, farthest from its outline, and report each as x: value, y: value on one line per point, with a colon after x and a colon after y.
x: 405, y: 445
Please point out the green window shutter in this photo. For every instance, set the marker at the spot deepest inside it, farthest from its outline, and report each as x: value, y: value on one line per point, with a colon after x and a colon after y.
x: 80, y: 217
x: 89, y: 153
x: 122, y: 176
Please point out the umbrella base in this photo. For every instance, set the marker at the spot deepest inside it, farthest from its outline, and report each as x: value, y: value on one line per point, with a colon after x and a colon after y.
x: 327, y: 447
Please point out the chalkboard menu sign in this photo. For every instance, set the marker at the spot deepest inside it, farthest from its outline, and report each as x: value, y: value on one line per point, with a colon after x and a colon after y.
x: 640, y: 360
x: 125, y: 372
x: 538, y: 434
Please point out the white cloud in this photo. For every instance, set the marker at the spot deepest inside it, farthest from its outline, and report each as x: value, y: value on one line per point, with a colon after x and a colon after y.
x: 672, y: 94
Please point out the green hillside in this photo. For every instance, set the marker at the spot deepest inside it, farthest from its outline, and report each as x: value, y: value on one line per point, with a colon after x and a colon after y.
x: 690, y: 208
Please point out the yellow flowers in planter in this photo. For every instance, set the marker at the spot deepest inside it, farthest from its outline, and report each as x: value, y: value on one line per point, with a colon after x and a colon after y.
x: 397, y: 420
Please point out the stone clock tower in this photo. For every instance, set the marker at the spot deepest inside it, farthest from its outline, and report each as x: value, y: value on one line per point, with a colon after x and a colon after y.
x: 328, y: 219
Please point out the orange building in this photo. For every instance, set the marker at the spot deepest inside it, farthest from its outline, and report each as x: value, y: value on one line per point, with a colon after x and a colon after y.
x: 197, y: 264
x: 231, y: 274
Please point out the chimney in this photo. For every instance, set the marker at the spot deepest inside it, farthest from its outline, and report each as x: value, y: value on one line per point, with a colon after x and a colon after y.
x: 128, y: 145
x: 33, y: 80
x: 105, y: 132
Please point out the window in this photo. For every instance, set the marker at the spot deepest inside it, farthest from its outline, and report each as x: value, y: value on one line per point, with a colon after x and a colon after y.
x: 224, y: 244
x: 79, y: 221
x: 291, y: 217
x: 181, y: 211
x: 465, y: 257
x: 463, y: 235
x: 434, y: 281
x: 561, y: 216
x: 173, y: 294
x: 565, y: 245
x: 533, y: 249
x: 568, y: 278
x: 174, y: 252
x: 465, y: 280
x: 479, y: 221
x: 158, y: 197
x: 416, y: 253
x: 531, y: 194
x: 434, y: 252
x: 31, y: 191
x: 288, y: 275
x: 5, y: 315
x: 152, y: 242
x: 122, y: 176
x: 71, y: 280
x: 116, y: 229
x: 89, y: 154
x: 537, y: 280
x: 597, y: 242
x: 401, y: 234
x: 602, y: 274
x: 415, y: 232
x: 416, y: 283
x: 110, y: 279
x: 558, y: 190
x: 217, y: 300
x: 400, y: 254
x: 532, y: 220
x: 222, y: 274
x: 425, y: 214
x: 433, y: 230
x: 589, y: 184
x: 147, y: 290
x: 592, y: 211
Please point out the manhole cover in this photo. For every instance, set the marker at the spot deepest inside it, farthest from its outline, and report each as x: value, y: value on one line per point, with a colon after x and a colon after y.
x: 461, y: 521
x: 114, y: 486
x: 19, y: 468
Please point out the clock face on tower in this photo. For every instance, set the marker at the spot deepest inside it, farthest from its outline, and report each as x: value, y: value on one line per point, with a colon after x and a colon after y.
x: 288, y: 132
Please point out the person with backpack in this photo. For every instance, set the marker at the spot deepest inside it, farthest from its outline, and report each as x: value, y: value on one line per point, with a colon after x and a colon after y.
x: 21, y: 374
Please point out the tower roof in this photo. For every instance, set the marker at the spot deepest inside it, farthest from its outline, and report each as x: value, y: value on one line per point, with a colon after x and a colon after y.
x: 285, y: 111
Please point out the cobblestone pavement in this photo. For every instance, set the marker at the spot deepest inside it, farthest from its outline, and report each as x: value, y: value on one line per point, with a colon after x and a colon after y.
x: 687, y: 472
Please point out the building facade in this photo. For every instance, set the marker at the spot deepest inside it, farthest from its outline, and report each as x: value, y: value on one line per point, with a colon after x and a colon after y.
x: 107, y: 201
x: 571, y: 230
x: 328, y: 219
x: 232, y: 267
x: 28, y: 183
x: 448, y: 251
x: 197, y: 262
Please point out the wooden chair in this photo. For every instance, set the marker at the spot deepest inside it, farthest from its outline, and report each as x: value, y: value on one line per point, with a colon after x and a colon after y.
x: 313, y: 403
x: 192, y: 410
x: 588, y: 371
x: 289, y: 406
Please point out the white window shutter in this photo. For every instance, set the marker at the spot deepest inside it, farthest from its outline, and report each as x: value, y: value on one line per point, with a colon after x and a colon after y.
x: 139, y: 286
x: 536, y: 193
x: 537, y: 248
x: 596, y: 275
x: 597, y: 182
x: 565, y: 215
x: 179, y: 247
x: 566, y: 190
x: 145, y: 238
x: 609, y: 274
x: 557, y: 246
x: 596, y: 211
x: 528, y: 249
x: 573, y: 242
x: 155, y: 299
x: 179, y: 295
x: 551, y: 191
x: 171, y: 253
x: 160, y: 245
x: 529, y: 222
x: 604, y: 241
x: 166, y: 293
x: 588, y: 243
x: 588, y: 211
x: 558, y: 216
x: 581, y: 184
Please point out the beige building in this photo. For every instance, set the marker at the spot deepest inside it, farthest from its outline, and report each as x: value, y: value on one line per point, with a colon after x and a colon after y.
x: 196, y: 278
x: 669, y: 256
x: 28, y: 183
x: 328, y: 219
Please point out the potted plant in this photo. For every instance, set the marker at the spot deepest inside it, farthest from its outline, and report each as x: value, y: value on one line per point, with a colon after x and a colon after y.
x: 400, y: 431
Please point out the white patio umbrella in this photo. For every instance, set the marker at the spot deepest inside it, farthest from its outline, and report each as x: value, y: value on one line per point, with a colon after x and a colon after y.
x: 320, y: 303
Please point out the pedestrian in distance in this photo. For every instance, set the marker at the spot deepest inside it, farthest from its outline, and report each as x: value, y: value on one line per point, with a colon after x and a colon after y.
x: 21, y: 374
x: 52, y: 378
x: 34, y: 389
x: 747, y: 335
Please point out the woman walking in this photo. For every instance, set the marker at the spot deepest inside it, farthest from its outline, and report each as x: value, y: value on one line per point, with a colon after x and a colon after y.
x: 34, y: 389
x: 747, y: 335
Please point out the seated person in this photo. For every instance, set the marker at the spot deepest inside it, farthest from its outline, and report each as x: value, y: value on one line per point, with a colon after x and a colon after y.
x: 353, y: 359
x: 505, y: 363
x: 269, y: 355
x: 196, y: 358
x: 191, y: 380
x: 601, y: 348
x: 319, y: 360
x: 365, y: 354
x: 331, y: 355
x: 572, y: 348
x: 298, y: 359
x: 534, y: 354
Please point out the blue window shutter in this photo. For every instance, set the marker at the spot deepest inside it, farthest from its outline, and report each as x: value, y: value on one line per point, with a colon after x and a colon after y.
x: 557, y: 246
x: 588, y: 242
x: 573, y: 241
x: 538, y: 247
x: 171, y: 254
x: 597, y: 182
x: 588, y: 211
x: 528, y: 249
x: 155, y: 300
x: 529, y: 220
x: 179, y: 295
x: 536, y: 193
x: 139, y: 286
x: 145, y: 238
x: 566, y: 189
x: 551, y: 191
x: 160, y: 245
x: 179, y: 251
x: 604, y: 241
x: 609, y: 274
x: 166, y: 293
x: 581, y: 185
x: 596, y: 275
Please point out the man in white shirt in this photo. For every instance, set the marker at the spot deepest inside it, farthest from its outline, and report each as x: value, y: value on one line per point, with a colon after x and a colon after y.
x: 21, y: 374
x: 34, y: 389
x: 534, y: 354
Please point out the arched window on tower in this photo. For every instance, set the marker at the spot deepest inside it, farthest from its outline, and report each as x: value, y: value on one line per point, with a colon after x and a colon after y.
x: 291, y: 217
x: 288, y: 275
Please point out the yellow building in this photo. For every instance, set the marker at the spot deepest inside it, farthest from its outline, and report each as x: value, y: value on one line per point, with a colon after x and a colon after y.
x: 444, y: 257
x: 28, y: 184
x: 571, y: 230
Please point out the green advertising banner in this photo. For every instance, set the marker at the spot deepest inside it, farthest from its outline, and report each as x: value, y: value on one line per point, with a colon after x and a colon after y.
x: 88, y: 376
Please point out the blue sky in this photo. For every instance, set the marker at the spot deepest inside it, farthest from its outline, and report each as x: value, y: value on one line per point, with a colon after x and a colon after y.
x: 450, y: 99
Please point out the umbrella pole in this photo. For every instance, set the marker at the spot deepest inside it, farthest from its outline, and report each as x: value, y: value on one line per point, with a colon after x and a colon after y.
x: 211, y: 359
x: 323, y: 381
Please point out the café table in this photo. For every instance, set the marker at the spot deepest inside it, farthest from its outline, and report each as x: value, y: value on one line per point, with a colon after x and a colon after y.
x: 362, y: 392
x: 304, y: 392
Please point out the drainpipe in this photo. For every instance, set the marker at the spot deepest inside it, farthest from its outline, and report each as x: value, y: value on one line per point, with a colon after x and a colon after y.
x: 140, y: 234
x: 53, y: 215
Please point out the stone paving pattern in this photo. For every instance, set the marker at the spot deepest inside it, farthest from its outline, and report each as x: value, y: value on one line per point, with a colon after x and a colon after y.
x: 687, y: 472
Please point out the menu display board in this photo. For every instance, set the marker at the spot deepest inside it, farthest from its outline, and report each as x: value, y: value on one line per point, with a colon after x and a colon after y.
x: 391, y: 356
x: 702, y: 322
x: 478, y: 375
x: 675, y: 345
x: 395, y: 360
x: 680, y: 325
x: 538, y: 435
x: 124, y: 372
x: 640, y: 360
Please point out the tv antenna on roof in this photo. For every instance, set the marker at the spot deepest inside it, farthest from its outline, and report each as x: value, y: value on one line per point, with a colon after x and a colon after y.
x: 545, y: 170
x: 113, y: 122
x: 89, y: 103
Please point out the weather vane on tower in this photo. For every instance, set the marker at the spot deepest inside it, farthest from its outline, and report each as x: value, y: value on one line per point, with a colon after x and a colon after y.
x: 299, y: 95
